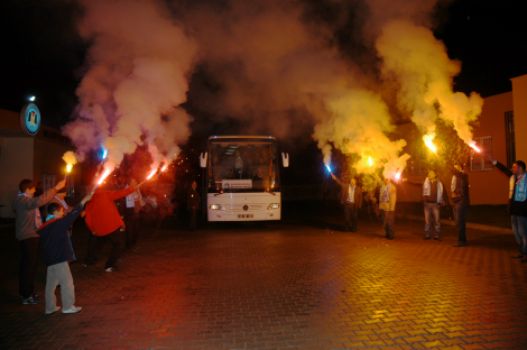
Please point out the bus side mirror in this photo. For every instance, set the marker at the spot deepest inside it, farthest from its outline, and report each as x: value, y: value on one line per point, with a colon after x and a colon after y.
x: 203, y: 159
x: 285, y: 160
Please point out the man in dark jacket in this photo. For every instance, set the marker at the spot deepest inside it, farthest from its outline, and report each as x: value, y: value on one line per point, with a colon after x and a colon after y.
x: 28, y: 219
x: 193, y: 204
x: 461, y: 200
x: 351, y: 200
x: 57, y: 252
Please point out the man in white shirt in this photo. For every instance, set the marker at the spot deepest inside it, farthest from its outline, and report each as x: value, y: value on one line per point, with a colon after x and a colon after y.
x: 433, y: 199
x: 351, y: 200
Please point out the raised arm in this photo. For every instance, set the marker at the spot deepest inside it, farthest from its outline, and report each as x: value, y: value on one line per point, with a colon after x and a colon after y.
x: 337, y: 180
x: 115, y: 195
x: 502, y: 168
x: 46, y: 197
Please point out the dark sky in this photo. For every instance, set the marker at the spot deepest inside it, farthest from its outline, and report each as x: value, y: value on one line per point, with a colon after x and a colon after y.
x: 42, y: 55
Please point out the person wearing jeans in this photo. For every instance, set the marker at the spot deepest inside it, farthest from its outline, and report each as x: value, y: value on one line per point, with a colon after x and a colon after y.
x: 518, y: 209
x: 433, y: 199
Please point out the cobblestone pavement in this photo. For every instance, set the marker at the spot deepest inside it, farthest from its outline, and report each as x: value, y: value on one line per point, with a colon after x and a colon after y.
x: 286, y: 287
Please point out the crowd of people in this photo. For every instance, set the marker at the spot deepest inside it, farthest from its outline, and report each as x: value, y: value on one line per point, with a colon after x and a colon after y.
x: 44, y: 229
x: 435, y: 196
x: 113, y: 216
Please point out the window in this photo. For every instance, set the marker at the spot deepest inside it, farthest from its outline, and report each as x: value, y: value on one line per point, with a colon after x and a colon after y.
x: 509, y: 138
x: 481, y: 161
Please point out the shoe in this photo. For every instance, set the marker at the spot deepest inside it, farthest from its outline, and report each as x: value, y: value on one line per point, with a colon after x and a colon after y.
x: 426, y: 238
x: 460, y: 244
x: 29, y: 301
x: 57, y: 308
x: 389, y: 237
x: 109, y: 269
x: 36, y: 296
x: 437, y: 238
x: 72, y: 310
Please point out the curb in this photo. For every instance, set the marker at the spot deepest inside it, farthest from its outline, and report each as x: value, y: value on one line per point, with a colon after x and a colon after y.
x: 471, y: 225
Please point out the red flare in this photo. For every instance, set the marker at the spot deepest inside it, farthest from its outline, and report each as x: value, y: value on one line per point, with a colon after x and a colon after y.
x: 104, y: 175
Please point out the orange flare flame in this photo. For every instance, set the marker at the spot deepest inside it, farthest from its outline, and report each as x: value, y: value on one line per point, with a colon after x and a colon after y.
x: 104, y: 175
x: 151, y: 173
x: 429, y: 142
x: 474, y: 146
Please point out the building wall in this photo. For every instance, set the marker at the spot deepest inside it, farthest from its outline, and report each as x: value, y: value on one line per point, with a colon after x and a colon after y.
x: 487, y: 186
x: 490, y: 186
x: 519, y: 96
x: 16, y: 162
x: 48, y: 158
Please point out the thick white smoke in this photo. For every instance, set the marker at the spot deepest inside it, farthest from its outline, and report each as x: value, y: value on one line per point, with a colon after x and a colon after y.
x: 137, y: 76
x: 419, y: 65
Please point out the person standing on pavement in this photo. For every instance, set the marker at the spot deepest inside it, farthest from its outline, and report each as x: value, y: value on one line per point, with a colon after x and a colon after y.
x: 57, y: 252
x: 133, y: 203
x: 387, y: 202
x: 461, y: 200
x: 518, y: 209
x: 28, y: 219
x: 433, y: 200
x: 193, y: 204
x: 105, y: 223
x: 351, y: 201
x: 513, y: 174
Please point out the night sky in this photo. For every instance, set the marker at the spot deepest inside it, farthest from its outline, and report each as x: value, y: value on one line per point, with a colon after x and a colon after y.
x: 42, y: 54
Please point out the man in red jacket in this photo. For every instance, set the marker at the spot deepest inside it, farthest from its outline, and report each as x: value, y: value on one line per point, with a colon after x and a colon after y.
x: 105, y: 223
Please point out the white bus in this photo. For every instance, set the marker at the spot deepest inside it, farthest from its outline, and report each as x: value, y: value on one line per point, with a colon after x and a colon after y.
x: 243, y: 178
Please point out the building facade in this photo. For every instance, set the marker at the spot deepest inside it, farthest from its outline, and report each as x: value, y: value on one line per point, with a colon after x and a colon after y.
x: 500, y: 132
x: 22, y: 156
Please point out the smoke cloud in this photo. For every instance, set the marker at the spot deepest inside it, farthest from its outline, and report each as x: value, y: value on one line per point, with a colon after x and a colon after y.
x: 418, y: 65
x: 137, y: 74
x: 280, y: 71
x: 277, y: 67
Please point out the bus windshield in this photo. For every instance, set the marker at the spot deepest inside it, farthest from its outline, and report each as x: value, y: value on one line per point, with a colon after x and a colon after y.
x: 242, y: 165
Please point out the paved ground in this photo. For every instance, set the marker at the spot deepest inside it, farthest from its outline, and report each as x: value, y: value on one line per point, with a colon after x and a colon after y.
x: 285, y: 286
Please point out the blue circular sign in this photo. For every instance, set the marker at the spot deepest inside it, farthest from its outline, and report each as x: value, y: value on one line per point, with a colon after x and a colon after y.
x: 30, y: 119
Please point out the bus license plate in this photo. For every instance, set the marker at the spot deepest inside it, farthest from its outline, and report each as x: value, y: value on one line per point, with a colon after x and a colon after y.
x: 245, y: 216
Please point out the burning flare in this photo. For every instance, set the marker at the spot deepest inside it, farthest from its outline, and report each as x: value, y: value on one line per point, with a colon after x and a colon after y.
x: 397, y: 176
x: 164, y: 167
x: 70, y: 159
x: 429, y: 142
x: 107, y: 171
x: 151, y: 173
x: 370, y: 161
x: 474, y: 146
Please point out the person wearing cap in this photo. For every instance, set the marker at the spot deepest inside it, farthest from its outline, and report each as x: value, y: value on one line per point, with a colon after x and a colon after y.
x: 461, y: 200
x: 387, y: 202
x: 433, y: 200
x: 28, y: 219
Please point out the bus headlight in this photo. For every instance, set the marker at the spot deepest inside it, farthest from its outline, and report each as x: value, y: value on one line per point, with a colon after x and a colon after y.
x: 274, y: 206
x: 215, y: 207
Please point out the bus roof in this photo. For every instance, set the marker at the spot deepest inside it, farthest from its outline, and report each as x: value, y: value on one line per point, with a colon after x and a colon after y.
x: 242, y: 137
